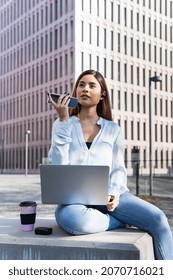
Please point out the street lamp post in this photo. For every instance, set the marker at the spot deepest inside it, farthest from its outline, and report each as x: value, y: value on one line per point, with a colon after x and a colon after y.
x: 136, y: 160
x: 2, y: 155
x: 151, y: 79
x: 26, y: 151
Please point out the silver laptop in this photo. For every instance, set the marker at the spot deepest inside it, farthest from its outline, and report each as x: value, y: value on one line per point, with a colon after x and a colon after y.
x: 74, y: 184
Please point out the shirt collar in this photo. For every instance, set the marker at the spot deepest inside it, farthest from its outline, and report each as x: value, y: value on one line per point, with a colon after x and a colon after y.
x: 99, y: 122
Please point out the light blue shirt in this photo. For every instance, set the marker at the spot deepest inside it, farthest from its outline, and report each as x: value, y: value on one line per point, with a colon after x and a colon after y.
x: 68, y: 147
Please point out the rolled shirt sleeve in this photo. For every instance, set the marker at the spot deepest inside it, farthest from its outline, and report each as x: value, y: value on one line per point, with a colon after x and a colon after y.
x: 118, y: 174
x: 61, y: 139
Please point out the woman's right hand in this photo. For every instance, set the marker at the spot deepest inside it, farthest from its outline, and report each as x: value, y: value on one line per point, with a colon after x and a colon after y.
x: 61, y: 106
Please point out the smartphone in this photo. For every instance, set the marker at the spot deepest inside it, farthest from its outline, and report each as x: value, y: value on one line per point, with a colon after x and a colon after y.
x: 73, y: 100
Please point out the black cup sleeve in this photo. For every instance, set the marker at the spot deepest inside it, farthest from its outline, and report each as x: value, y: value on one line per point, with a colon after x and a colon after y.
x: 27, y: 219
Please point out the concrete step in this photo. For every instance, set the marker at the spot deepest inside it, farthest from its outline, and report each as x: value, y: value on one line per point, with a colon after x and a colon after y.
x: 120, y: 244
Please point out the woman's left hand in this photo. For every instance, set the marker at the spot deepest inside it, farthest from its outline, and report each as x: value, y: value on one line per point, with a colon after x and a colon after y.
x: 113, y: 202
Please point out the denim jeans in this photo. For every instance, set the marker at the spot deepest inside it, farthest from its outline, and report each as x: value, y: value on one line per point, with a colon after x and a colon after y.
x: 81, y: 219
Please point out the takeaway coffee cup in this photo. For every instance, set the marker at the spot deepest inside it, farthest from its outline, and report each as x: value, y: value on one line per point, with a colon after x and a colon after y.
x: 27, y: 215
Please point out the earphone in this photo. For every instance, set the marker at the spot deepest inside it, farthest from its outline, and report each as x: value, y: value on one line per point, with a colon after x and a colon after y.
x: 103, y: 94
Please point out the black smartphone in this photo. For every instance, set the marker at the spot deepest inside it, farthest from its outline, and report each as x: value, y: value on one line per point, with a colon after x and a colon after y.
x: 43, y: 230
x: 73, y: 100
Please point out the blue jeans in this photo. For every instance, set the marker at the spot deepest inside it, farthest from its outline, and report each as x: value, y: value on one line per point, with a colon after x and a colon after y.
x: 80, y: 219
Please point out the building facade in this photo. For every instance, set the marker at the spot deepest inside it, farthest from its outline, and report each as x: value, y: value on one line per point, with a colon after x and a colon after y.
x: 44, y: 46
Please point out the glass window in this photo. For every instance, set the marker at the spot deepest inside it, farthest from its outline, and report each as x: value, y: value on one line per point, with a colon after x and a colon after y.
x: 138, y: 103
x: 131, y: 72
x: 82, y: 31
x: 90, y: 61
x: 144, y: 131
x: 82, y: 4
x: 131, y: 46
x: 125, y: 44
x: 112, y: 97
x: 161, y: 159
x: 56, y: 9
x: 112, y: 69
x: 119, y: 100
x: 97, y: 62
x: 82, y: 61
x: 119, y: 43
x: 105, y: 38
x: 143, y: 48
x: 166, y: 35
x: 132, y: 130
x: 166, y: 7
x: 160, y: 6
x: 155, y: 54
x: 105, y: 10
x: 137, y: 75
x: 105, y: 68
x: 161, y: 107
x: 131, y: 17
x: 98, y: 8
x: 138, y: 130
x: 149, y: 26
x: 61, y: 37
x: 160, y: 55
x: 155, y: 5
x: 155, y: 28
x: 112, y: 40
x: 155, y: 106
x: 66, y: 33
x: 119, y: 17
x: 90, y: 34
x: 144, y: 158
x: 112, y: 11
x: 143, y: 25
x: 144, y: 77
x: 137, y: 48
x: 90, y: 6
x: 137, y: 21
x: 125, y: 129
x: 132, y: 102
x: 160, y: 30
x: 125, y: 100
x: 97, y: 36
x: 125, y: 72
x: 125, y: 16
x: 166, y: 82
x: 149, y: 52
x: 171, y: 33
x: 119, y: 71
x: 156, y: 159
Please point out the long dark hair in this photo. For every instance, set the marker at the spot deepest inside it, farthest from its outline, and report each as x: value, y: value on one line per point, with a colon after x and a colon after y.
x: 104, y: 106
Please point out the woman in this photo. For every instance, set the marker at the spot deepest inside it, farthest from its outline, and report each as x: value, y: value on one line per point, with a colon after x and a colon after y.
x: 87, y: 135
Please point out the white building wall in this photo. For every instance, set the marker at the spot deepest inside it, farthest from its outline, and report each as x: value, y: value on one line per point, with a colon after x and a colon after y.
x: 89, y: 15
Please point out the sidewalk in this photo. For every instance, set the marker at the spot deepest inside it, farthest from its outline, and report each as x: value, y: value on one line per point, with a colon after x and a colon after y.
x: 17, y: 188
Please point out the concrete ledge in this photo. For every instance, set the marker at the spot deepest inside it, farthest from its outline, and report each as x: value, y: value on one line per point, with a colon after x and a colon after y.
x: 120, y: 244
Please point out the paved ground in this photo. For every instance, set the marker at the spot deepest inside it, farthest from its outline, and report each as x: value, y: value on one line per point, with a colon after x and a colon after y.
x: 17, y: 188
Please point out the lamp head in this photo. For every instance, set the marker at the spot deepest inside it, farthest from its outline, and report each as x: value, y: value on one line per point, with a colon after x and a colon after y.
x: 155, y: 79
x: 28, y: 131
